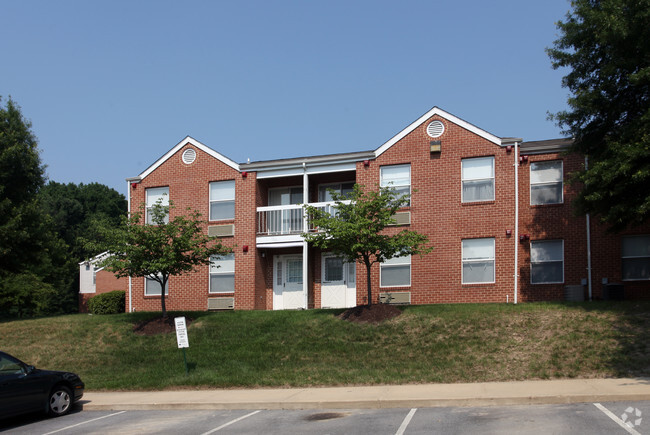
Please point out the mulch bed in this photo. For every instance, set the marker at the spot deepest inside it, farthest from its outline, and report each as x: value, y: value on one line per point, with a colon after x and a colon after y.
x: 157, y: 325
x: 375, y: 313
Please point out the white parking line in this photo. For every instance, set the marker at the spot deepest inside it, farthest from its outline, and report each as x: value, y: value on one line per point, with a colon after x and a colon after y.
x: 84, y: 422
x: 620, y: 422
x: 230, y: 422
x: 406, y: 422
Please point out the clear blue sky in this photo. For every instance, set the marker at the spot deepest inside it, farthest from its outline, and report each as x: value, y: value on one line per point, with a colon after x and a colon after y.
x: 110, y: 86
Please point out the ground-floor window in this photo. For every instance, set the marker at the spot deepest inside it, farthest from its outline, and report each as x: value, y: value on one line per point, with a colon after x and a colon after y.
x: 547, y: 262
x: 636, y: 257
x: 395, y: 272
x: 478, y: 261
x: 152, y: 287
x: 222, y: 273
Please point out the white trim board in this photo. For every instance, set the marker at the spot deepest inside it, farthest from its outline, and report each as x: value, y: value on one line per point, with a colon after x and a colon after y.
x: 195, y: 143
x: 446, y: 115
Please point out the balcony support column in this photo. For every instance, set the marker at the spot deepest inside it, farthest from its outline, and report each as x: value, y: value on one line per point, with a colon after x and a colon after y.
x: 305, y: 246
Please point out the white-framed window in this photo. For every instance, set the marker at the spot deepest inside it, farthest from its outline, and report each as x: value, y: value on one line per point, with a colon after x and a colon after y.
x: 398, y: 177
x: 152, y: 287
x: 636, y: 257
x: 478, y: 261
x: 154, y: 195
x: 546, y: 183
x: 222, y: 200
x: 547, y: 262
x: 222, y: 273
x: 324, y: 194
x: 477, y: 176
x: 395, y: 272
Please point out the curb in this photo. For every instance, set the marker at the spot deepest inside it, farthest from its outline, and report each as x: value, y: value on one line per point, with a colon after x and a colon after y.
x: 378, y: 397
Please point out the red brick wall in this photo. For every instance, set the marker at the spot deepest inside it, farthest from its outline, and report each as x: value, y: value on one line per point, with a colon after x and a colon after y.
x: 104, y: 282
x: 189, y: 187
x: 436, y: 210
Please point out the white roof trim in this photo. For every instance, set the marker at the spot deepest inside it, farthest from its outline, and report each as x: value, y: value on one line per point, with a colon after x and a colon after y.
x: 223, y: 159
x: 449, y: 117
x: 96, y: 258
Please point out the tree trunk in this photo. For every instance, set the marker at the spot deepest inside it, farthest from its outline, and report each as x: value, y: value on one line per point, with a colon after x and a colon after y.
x: 368, y: 284
x: 162, y: 298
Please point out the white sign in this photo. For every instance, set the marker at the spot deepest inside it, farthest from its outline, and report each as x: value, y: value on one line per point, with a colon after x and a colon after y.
x: 181, y: 332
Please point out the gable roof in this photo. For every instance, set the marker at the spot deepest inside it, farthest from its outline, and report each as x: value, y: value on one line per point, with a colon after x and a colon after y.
x: 195, y: 143
x: 445, y: 115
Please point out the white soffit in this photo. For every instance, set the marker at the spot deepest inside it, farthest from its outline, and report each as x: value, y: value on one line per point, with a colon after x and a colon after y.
x: 449, y: 117
x: 300, y: 170
x: 195, y: 143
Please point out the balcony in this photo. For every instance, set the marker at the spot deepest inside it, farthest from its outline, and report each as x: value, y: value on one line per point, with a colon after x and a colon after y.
x: 285, y: 220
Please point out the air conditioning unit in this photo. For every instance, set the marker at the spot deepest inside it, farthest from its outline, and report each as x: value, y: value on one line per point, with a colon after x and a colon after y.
x: 221, y: 304
x: 221, y: 230
x: 402, y: 218
x: 395, y: 298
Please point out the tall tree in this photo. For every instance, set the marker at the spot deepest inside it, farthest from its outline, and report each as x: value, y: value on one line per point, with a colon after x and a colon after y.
x: 21, y: 176
x: 356, y: 229
x: 30, y: 251
x: 159, y: 250
x: 605, y: 44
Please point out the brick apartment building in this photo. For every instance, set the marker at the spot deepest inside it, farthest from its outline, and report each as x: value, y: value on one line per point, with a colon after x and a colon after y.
x: 496, y: 210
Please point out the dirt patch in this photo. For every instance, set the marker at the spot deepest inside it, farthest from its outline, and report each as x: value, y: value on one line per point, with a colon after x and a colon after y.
x: 157, y: 325
x: 375, y: 313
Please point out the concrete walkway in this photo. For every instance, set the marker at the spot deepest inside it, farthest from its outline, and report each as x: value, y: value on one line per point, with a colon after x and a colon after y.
x: 385, y: 396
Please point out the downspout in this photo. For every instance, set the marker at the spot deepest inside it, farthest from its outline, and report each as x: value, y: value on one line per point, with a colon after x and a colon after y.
x: 516, y: 274
x: 128, y: 210
x: 588, y: 242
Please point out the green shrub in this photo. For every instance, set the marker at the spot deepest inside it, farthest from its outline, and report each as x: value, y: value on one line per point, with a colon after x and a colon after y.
x: 108, y: 303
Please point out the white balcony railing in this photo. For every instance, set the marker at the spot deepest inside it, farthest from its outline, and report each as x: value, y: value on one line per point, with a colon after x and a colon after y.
x: 278, y: 220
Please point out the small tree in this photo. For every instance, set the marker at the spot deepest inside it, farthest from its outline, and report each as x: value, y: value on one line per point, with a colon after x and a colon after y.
x: 355, y: 230
x: 157, y: 251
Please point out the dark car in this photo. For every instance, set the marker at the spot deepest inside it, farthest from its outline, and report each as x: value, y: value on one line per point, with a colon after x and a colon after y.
x: 24, y: 389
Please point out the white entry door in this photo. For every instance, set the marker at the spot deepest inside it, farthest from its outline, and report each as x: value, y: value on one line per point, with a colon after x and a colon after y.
x: 338, y: 283
x: 287, y: 283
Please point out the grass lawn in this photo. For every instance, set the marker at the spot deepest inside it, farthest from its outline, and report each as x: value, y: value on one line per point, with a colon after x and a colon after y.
x: 432, y: 343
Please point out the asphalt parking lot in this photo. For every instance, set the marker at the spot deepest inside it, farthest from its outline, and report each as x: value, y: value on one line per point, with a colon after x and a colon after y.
x: 592, y: 418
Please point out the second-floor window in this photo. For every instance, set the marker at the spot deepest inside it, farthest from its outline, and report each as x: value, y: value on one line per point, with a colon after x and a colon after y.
x: 157, y: 195
x: 546, y: 182
x: 478, y: 179
x: 222, y: 200
x: 324, y: 194
x: 398, y: 177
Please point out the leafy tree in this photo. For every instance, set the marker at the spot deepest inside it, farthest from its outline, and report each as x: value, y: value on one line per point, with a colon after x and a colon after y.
x: 21, y: 176
x: 357, y: 229
x: 159, y: 250
x: 31, y: 253
x: 72, y: 209
x: 606, y: 46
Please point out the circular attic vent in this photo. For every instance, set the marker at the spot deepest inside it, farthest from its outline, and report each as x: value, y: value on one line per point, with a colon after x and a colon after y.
x: 189, y: 155
x: 435, y: 129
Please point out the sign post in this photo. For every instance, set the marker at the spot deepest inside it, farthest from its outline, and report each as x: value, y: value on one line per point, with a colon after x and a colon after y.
x: 181, y: 338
